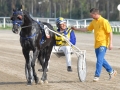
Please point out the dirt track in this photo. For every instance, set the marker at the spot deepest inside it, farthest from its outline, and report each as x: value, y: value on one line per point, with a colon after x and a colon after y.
x: 12, y: 75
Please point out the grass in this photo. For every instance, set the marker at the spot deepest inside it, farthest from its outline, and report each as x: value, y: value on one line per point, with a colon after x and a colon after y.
x: 116, y: 32
x: 6, y: 28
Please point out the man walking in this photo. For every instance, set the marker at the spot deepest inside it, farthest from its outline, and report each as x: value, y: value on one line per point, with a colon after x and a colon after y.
x: 103, y: 40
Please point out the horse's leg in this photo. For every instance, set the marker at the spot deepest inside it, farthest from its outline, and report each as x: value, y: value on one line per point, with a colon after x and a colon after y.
x: 35, y: 55
x: 41, y: 61
x: 26, y: 55
x: 41, y: 58
x: 44, y: 76
x: 44, y: 66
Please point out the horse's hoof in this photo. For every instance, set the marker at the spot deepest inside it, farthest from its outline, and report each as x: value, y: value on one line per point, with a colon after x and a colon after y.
x: 41, y: 82
x: 46, y: 81
x: 37, y: 80
x: 29, y: 84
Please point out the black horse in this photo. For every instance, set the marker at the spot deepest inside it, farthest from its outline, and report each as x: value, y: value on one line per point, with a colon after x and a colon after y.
x: 32, y: 38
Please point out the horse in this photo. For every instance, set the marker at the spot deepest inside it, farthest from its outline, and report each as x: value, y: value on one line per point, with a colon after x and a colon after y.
x: 32, y: 36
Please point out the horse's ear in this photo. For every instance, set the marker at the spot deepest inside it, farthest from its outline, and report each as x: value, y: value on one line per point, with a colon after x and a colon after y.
x: 13, y: 7
x: 21, y: 7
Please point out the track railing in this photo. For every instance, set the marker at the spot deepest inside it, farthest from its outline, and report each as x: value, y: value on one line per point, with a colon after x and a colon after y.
x: 6, y: 22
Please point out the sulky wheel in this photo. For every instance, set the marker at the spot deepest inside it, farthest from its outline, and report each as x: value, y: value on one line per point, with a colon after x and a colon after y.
x: 81, y: 67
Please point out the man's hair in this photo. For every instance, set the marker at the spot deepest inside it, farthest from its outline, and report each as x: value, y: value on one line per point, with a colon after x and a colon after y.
x: 94, y: 10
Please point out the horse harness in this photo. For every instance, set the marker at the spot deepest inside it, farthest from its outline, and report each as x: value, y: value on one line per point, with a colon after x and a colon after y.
x: 19, y: 23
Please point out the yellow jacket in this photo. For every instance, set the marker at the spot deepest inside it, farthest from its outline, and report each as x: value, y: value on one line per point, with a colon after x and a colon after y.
x: 60, y: 40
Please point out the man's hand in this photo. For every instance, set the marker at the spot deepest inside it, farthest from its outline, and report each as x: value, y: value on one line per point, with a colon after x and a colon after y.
x: 110, y: 47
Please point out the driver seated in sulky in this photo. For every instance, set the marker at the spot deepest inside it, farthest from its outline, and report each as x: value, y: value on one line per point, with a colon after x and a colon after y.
x: 61, y: 44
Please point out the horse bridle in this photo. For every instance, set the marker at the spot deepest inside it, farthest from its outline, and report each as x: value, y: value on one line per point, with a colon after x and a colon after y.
x: 19, y: 22
x: 20, y: 16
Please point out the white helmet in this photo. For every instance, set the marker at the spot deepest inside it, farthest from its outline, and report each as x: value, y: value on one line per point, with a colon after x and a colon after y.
x: 59, y: 21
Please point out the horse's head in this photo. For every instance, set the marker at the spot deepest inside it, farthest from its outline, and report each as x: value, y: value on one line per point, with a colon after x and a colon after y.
x: 17, y: 20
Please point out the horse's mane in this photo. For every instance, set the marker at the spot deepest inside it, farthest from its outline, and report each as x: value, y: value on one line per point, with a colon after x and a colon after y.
x: 26, y: 14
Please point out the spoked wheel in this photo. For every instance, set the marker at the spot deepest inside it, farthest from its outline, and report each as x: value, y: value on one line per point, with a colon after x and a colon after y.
x: 81, y: 67
x: 26, y: 70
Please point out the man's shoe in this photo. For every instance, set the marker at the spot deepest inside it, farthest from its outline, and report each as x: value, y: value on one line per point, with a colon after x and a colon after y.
x: 69, y: 69
x: 96, y: 79
x: 113, y: 74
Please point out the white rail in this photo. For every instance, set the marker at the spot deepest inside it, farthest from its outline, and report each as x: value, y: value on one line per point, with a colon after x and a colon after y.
x: 6, y: 22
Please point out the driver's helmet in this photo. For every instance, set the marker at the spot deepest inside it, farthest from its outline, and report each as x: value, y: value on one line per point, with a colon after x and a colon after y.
x: 59, y: 21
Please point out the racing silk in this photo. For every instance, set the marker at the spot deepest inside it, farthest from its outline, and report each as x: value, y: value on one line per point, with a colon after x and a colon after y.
x: 69, y: 34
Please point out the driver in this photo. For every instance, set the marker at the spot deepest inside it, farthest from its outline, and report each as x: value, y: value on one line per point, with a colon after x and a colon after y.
x: 61, y: 43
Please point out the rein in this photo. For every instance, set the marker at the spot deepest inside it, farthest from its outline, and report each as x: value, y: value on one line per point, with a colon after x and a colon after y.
x: 27, y: 26
x: 31, y: 25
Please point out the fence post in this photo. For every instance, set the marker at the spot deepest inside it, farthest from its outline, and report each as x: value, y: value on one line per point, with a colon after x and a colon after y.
x: 115, y: 28
x: 37, y: 20
x: 48, y: 20
x: 85, y: 23
x: 77, y: 23
x: 4, y: 22
x: 119, y: 28
x: 67, y: 23
x: 112, y: 28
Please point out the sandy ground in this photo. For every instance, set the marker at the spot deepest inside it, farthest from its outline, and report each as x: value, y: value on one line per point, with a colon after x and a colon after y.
x: 12, y: 63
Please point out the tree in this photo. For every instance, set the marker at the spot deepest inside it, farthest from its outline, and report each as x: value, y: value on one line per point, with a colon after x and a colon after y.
x: 76, y: 9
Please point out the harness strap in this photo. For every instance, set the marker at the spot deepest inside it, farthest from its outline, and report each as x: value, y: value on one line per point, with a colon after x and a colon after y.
x: 25, y: 38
